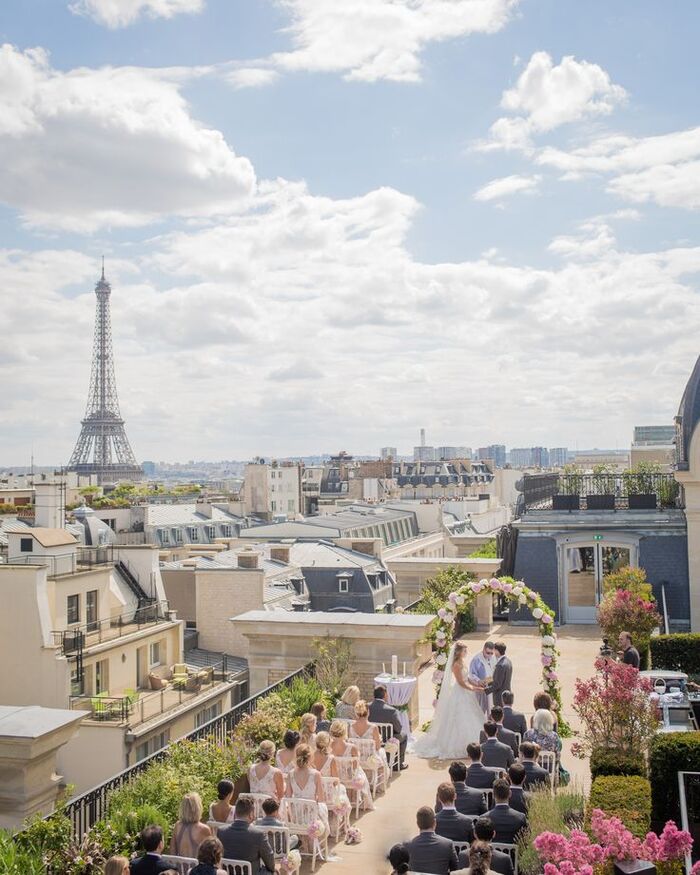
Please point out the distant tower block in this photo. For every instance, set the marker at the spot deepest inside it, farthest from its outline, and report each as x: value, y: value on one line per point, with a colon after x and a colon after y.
x: 103, y: 447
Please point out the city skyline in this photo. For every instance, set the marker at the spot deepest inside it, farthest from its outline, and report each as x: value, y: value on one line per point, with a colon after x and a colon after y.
x: 462, y: 221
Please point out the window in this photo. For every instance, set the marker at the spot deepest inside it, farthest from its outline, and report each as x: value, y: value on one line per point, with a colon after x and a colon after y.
x: 91, y: 610
x: 154, y: 653
x: 273, y: 505
x: 177, y: 536
x: 211, y: 532
x: 207, y: 714
x: 154, y: 743
x: 194, y: 534
x: 25, y: 545
x: 73, y: 609
x: 76, y: 685
x: 290, y: 504
x: 101, y: 676
x: 343, y: 584
x: 226, y: 531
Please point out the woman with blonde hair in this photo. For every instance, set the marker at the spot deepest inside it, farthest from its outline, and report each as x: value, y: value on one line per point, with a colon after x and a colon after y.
x: 263, y: 777
x: 362, y: 728
x: 307, y: 730
x: 341, y: 747
x: 304, y: 782
x: 189, y: 832
x: 117, y: 866
x: 346, y: 706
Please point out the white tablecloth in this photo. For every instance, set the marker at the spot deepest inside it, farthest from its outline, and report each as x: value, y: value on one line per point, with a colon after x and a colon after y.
x: 399, y: 691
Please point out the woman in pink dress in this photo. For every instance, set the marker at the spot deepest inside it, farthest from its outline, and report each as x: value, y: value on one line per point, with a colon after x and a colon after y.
x: 263, y: 777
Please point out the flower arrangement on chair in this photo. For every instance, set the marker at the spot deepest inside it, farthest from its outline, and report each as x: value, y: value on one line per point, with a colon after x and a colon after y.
x: 353, y: 836
x: 291, y: 862
x: 358, y: 781
x: 316, y: 829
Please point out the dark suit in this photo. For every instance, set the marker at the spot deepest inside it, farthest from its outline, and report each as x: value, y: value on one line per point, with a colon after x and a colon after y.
x: 534, y: 774
x: 500, y: 862
x: 507, y: 822
x: 469, y: 801
x: 453, y: 825
x: 497, y: 755
x: 381, y: 712
x: 506, y: 737
x: 431, y: 853
x: 242, y: 841
x: 323, y: 725
x: 518, y: 799
x: 481, y: 777
x: 631, y: 657
x: 149, y: 864
x: 502, y: 678
x: 514, y: 720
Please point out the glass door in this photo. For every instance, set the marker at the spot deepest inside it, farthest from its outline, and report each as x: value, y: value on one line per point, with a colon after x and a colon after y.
x: 586, y: 565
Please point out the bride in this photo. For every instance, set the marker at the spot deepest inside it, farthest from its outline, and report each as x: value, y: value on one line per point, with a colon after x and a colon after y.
x: 458, y: 717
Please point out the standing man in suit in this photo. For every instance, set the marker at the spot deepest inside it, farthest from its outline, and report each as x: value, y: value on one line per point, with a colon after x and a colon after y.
x: 429, y: 852
x: 484, y: 832
x: 242, y: 841
x: 468, y: 800
x: 449, y: 822
x: 506, y: 820
x: 502, y: 673
x: 513, y: 720
x: 152, y: 862
x: 503, y: 734
x: 518, y: 797
x: 380, y: 711
x: 478, y: 775
x: 493, y: 752
x: 534, y: 773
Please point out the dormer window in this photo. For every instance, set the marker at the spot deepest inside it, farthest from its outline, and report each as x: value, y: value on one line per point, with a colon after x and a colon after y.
x: 26, y: 545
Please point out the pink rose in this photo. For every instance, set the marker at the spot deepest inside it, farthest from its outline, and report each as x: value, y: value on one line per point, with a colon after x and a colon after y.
x: 546, y: 660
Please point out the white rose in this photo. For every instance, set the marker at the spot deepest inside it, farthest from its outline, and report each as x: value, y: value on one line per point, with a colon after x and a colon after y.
x: 521, y: 599
x: 548, y: 640
x: 547, y: 651
x: 441, y: 659
x: 538, y: 613
x: 517, y: 590
x: 460, y: 599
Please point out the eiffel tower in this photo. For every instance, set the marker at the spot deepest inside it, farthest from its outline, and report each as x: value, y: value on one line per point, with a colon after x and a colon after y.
x: 103, y: 447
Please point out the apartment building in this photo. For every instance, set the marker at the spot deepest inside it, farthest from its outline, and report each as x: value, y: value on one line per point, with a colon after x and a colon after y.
x: 272, y: 489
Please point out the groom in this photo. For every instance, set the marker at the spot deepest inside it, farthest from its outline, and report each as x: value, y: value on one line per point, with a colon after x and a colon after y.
x: 480, y: 668
x: 502, y: 673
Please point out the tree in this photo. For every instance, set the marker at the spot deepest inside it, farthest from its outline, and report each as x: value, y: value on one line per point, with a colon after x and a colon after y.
x: 334, y: 671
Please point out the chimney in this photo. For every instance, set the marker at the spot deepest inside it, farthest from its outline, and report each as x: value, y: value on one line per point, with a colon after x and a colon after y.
x: 205, y: 508
x: 248, y: 558
x: 280, y: 552
x: 49, y: 505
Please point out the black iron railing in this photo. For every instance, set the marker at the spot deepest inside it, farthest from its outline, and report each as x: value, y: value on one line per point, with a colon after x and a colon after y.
x: 87, y: 809
x: 603, y: 491
x: 72, y: 639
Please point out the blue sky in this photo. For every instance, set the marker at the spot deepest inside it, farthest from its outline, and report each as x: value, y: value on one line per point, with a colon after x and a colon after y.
x: 331, y: 224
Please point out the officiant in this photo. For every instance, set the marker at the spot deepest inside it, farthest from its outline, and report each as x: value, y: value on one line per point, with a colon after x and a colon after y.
x: 481, y: 672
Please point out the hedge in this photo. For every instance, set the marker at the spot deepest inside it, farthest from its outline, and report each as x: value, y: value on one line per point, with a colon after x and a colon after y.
x: 608, y: 761
x: 626, y: 797
x: 670, y: 753
x: 679, y: 652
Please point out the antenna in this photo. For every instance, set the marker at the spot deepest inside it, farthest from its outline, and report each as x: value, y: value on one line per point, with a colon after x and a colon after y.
x: 103, y: 267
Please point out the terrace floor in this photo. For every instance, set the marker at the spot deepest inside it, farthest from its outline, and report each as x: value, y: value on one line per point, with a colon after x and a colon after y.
x: 394, y: 817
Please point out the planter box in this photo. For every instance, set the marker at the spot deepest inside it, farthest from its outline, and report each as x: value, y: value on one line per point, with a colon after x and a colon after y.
x: 600, y: 502
x: 566, y: 502
x: 642, y: 502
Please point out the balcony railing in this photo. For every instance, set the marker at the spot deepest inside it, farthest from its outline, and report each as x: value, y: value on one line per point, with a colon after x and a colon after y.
x: 629, y: 491
x: 69, y: 562
x: 76, y: 638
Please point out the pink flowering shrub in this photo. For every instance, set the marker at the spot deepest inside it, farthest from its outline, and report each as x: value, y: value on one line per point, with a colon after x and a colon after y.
x: 623, y: 610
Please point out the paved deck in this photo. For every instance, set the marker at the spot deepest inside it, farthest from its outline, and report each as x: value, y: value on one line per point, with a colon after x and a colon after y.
x: 394, y: 817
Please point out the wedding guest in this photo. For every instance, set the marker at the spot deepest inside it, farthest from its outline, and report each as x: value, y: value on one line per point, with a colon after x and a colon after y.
x: 399, y: 859
x: 502, y: 673
x: 271, y: 810
x: 429, y: 852
x: 285, y: 758
x: 468, y: 800
x: 263, y: 777
x: 362, y: 728
x: 506, y: 820
x: 479, y: 860
x: 222, y: 811
x: 478, y: 775
x: 242, y: 841
x: 518, y: 796
x: 380, y: 711
x: 152, y: 862
x: 304, y: 782
x: 512, y: 719
x: 503, y: 735
x: 117, y: 866
x: 209, y: 856
x: 307, y: 730
x: 448, y: 821
x: 346, y: 706
x: 534, y: 773
x: 493, y: 752
x: 484, y: 831
x: 324, y: 763
x: 630, y: 654
x: 542, y: 733
x: 189, y: 831
x: 323, y: 724
x: 341, y: 747
x: 543, y: 702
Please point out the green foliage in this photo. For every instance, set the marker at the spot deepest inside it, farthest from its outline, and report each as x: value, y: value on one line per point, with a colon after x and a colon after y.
x: 12, y: 508
x: 632, y: 579
x: 485, y: 551
x: 18, y: 860
x: 679, y: 652
x: 41, y: 835
x: 670, y: 753
x: 333, y: 664
x: 269, y: 721
x: 302, y: 693
x: 628, y: 798
x: 436, y: 589
x: 546, y: 813
x: 641, y: 479
x: 610, y: 761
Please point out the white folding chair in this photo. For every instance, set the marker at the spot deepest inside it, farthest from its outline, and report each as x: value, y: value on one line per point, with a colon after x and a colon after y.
x: 236, y: 867
x: 338, y: 809
x: 387, y: 732
x: 299, y: 814
x: 278, y: 837
x: 181, y: 865
x: 548, y: 760
x: 460, y: 846
x: 257, y: 799
x: 216, y: 825
x: 375, y: 771
x: 347, y: 769
x: 511, y: 850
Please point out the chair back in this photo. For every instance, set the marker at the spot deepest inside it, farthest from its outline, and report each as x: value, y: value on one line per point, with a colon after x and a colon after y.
x: 330, y: 789
x: 548, y: 760
x: 181, y: 865
x: 488, y: 799
x: 278, y: 837
x: 299, y: 813
x: 366, y: 747
x: 518, y: 738
x: 257, y: 799
x: 511, y: 850
x: 460, y: 846
x: 386, y: 731
x: 216, y: 825
x: 347, y: 766
x: 236, y: 867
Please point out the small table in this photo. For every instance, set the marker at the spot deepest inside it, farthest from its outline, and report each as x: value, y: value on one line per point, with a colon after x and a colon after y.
x: 399, y: 691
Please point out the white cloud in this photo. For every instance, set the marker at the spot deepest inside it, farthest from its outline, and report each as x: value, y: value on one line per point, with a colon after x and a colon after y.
x: 112, y: 146
x: 119, y: 13
x: 506, y: 186
x: 251, y: 77
x: 369, y: 40
x: 547, y: 96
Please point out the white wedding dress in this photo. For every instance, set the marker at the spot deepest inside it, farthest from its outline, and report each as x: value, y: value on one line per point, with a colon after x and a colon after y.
x: 458, y: 719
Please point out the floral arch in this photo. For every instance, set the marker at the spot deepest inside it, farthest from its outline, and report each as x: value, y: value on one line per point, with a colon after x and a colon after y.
x: 461, y: 599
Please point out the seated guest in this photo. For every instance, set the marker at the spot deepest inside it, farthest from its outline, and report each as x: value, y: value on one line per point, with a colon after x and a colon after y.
x: 534, y: 773
x: 324, y: 763
x: 189, y: 832
x: 323, y: 724
x: 208, y: 858
x: 362, y: 728
x: 380, y: 711
x: 493, y: 752
x: 449, y: 822
x: 503, y: 735
x: 285, y: 758
x: 271, y: 810
x: 117, y: 866
x: 307, y: 730
x: 479, y: 860
x: 304, y: 782
x: 478, y: 775
x: 429, y: 852
x: 263, y: 777
x: 506, y: 820
x: 542, y: 733
x: 222, y: 811
x: 398, y: 857
x: 512, y: 719
x: 152, y: 862
x: 242, y: 841
x: 501, y: 863
x: 543, y: 701
x: 518, y: 797
x: 469, y: 801
x: 341, y: 747
x: 345, y: 707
